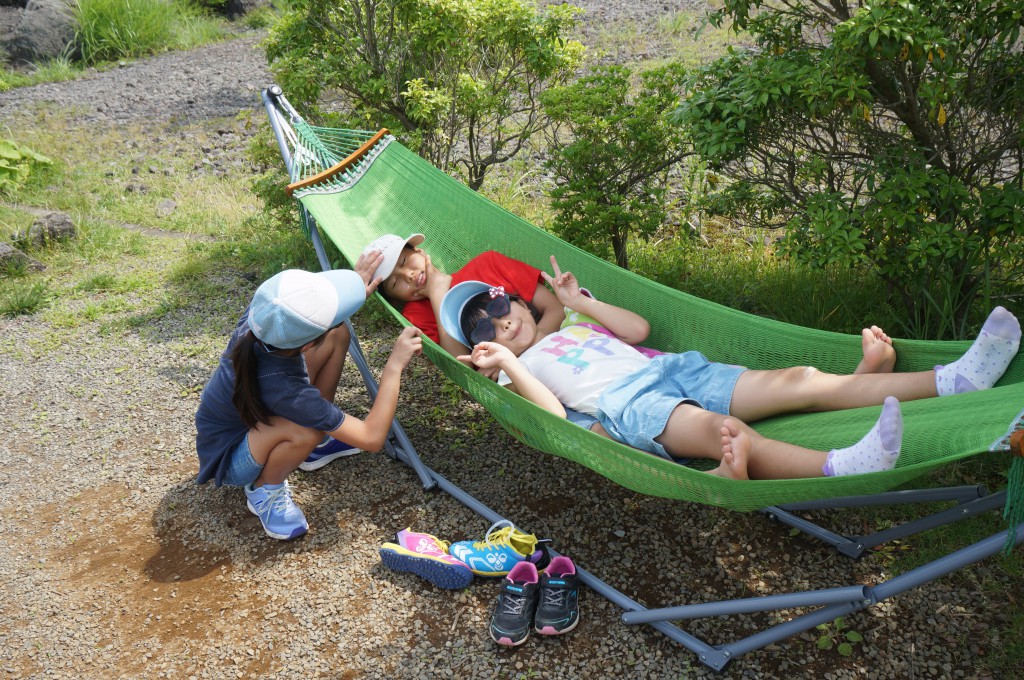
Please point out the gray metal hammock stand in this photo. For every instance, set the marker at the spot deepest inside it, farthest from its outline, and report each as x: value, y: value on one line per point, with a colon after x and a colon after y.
x: 825, y: 605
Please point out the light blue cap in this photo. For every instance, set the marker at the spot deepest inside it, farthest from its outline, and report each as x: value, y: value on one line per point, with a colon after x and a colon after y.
x: 295, y: 306
x: 454, y: 302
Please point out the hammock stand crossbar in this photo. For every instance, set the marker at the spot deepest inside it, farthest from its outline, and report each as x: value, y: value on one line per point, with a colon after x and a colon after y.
x: 828, y: 604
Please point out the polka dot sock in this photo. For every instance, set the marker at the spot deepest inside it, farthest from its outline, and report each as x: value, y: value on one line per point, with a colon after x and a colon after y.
x: 877, y: 451
x: 986, y: 360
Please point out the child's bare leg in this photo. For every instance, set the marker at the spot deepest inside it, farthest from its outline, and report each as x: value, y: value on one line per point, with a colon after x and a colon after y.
x: 692, y: 432
x: 879, y: 354
x: 744, y: 454
x: 279, y: 447
x: 762, y: 394
x: 325, y: 361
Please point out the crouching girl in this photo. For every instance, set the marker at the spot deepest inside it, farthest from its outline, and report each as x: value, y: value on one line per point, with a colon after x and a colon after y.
x: 270, y: 403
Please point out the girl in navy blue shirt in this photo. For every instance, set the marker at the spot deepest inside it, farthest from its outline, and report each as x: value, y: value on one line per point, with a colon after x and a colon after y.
x: 270, y: 403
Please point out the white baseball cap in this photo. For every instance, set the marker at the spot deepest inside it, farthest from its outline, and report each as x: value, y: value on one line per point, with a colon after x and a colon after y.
x: 391, y: 246
x: 294, y: 307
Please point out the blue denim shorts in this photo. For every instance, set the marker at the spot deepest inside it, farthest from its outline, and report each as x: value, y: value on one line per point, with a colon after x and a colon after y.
x: 635, y: 408
x: 243, y: 468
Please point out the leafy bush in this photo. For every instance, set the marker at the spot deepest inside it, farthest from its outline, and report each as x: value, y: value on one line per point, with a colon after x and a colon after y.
x: 457, y: 79
x: 888, y: 137
x: 17, y: 163
x: 612, y: 171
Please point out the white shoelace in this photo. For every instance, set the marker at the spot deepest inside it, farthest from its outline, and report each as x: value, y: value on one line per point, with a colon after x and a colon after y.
x: 554, y: 596
x: 500, y: 524
x: 278, y: 499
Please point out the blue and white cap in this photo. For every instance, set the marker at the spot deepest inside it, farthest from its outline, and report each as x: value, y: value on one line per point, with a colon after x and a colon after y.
x: 455, y: 300
x: 295, y: 306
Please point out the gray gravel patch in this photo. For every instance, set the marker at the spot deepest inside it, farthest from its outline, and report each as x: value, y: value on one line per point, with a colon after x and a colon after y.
x: 214, y: 81
x: 115, y: 564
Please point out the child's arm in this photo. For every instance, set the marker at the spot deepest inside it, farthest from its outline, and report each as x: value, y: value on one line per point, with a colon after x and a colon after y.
x: 369, y: 434
x: 493, y: 355
x: 628, y: 326
x: 552, y: 312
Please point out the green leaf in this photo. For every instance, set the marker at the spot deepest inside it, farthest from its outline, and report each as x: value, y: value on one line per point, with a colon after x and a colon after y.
x: 845, y: 649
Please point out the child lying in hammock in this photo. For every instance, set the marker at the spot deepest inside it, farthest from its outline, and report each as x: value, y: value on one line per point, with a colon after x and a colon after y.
x: 684, y: 406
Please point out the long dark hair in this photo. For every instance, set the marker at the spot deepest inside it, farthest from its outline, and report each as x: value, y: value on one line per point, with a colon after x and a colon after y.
x: 476, y: 309
x: 246, y: 393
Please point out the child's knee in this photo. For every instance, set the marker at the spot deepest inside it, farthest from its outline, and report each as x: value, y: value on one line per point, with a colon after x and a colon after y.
x: 801, y: 375
x: 307, y: 437
x: 340, y: 337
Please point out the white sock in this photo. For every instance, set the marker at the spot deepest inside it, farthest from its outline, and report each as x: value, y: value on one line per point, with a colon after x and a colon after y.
x: 876, y: 451
x: 986, y: 360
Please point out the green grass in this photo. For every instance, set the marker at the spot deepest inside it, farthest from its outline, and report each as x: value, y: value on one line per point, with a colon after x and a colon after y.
x: 735, y: 268
x: 20, y: 296
x: 52, y: 71
x: 684, y: 36
x: 110, y: 30
x: 115, y: 30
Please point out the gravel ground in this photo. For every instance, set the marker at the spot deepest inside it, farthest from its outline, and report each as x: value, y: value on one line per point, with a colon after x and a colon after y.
x: 115, y: 564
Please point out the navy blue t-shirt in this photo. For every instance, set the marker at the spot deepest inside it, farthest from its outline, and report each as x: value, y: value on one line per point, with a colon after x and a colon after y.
x: 284, y: 389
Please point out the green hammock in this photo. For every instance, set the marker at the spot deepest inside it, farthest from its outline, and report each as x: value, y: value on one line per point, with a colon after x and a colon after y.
x: 358, y: 185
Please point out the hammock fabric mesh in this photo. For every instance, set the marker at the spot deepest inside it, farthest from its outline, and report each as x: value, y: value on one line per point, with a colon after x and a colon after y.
x: 389, y: 189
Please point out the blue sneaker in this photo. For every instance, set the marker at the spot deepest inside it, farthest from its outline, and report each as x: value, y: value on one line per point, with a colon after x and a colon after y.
x: 273, y: 504
x: 503, y: 547
x: 328, y: 450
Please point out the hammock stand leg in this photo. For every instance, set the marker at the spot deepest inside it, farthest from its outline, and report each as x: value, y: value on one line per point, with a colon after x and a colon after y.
x: 836, y: 602
x: 397, y: 443
x: 832, y: 602
x: 971, y: 500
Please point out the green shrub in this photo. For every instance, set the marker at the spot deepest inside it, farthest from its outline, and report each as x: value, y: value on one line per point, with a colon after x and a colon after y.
x: 456, y: 80
x: 612, y: 173
x: 883, y: 134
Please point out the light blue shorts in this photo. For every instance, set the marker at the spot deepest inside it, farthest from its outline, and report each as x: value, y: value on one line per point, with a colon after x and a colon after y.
x: 243, y: 468
x: 635, y: 409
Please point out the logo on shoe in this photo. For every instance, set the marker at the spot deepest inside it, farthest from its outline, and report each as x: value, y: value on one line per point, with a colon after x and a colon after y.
x: 426, y: 546
x: 462, y: 553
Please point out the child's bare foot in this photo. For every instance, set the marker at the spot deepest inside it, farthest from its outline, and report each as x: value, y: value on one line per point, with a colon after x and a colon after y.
x: 735, y: 452
x: 879, y: 354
